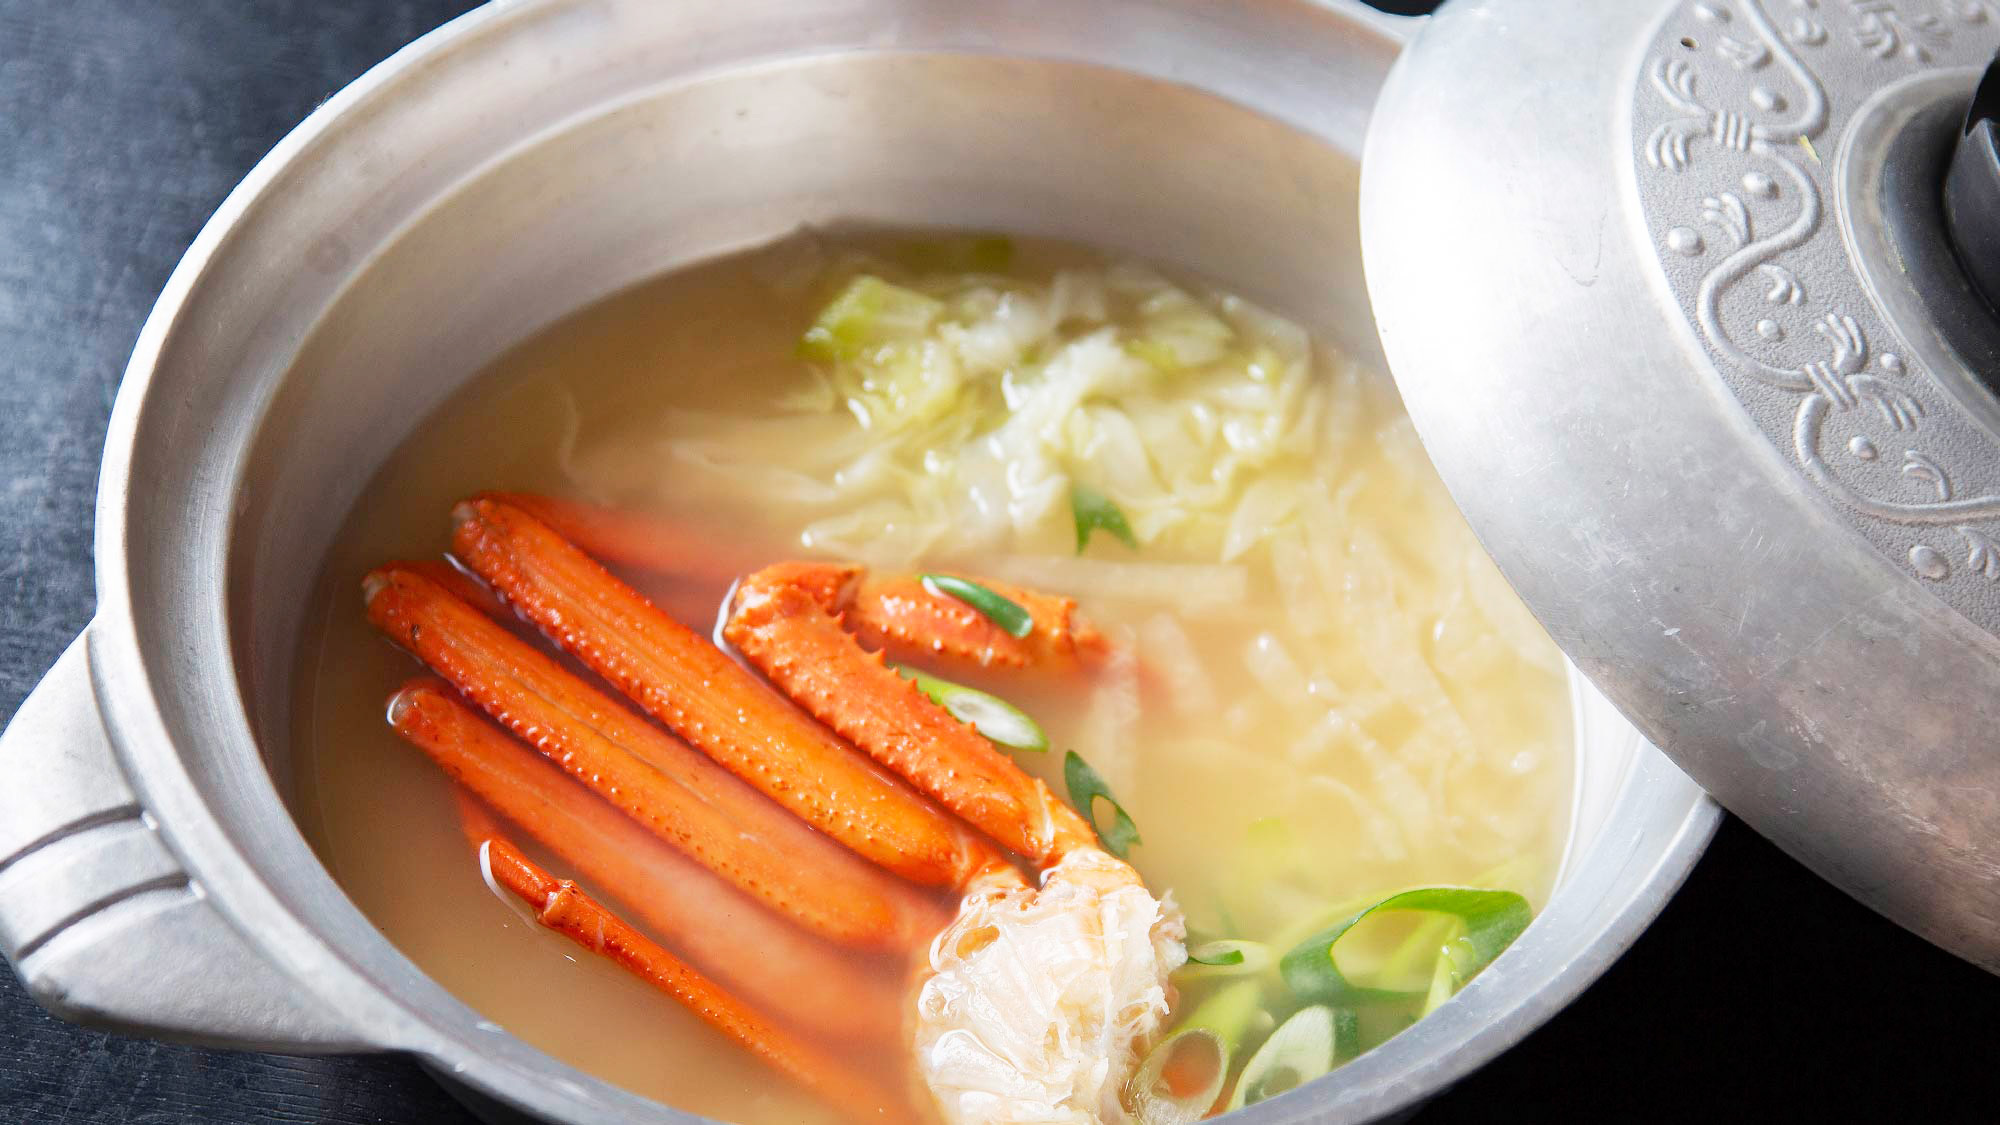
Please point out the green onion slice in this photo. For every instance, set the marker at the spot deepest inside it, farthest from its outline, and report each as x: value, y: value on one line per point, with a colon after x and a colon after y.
x: 1007, y: 614
x: 1228, y: 958
x: 997, y: 719
x: 1444, y: 982
x: 1182, y: 1076
x: 1346, y: 1033
x: 1217, y: 953
x: 1491, y: 920
x: 1085, y: 790
x: 1300, y: 1050
x: 1094, y: 511
x: 1416, y: 957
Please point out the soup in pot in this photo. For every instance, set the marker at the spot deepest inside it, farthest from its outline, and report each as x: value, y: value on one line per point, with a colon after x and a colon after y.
x: 930, y: 678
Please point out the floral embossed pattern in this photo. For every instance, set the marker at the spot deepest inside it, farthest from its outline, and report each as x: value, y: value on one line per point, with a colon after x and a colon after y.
x: 1739, y: 113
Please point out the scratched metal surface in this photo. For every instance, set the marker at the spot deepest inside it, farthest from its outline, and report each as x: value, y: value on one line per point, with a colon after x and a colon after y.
x: 1761, y: 994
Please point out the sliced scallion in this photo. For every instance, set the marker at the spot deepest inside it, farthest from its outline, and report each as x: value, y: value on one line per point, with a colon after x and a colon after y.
x: 1085, y: 790
x: 1228, y: 959
x: 1182, y: 1076
x: 1216, y: 953
x: 997, y: 719
x: 1346, y: 1033
x: 1300, y: 1050
x: 1415, y: 958
x: 1444, y: 982
x: 1491, y: 921
x: 1002, y: 611
x: 1094, y: 511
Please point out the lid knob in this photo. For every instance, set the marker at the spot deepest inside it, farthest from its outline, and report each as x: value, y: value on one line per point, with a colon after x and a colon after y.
x: 1972, y: 190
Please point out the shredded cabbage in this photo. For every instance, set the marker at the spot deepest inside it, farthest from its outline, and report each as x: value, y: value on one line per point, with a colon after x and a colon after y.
x: 983, y: 397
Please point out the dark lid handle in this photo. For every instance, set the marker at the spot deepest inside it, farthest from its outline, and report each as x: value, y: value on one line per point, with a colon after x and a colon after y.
x: 1972, y: 189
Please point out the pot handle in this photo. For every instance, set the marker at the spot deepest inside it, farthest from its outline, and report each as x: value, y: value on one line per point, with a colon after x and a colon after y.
x: 97, y: 915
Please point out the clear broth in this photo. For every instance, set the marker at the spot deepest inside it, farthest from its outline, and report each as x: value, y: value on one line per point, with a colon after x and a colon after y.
x: 1247, y: 806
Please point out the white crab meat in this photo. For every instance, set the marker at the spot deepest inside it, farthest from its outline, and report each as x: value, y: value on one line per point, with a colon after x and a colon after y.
x: 1038, y: 1000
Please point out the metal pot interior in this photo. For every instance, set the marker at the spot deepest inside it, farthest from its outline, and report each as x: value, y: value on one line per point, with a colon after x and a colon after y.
x: 525, y: 162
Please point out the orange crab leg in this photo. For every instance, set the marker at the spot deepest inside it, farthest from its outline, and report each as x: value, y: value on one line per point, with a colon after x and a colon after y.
x: 715, y: 703
x: 677, y: 794
x: 627, y: 539
x: 755, y: 953
x: 559, y: 905
x: 463, y: 586
x: 785, y: 627
x: 897, y: 613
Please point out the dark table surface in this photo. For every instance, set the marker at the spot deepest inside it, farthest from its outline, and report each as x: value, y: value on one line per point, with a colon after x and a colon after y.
x: 1760, y: 994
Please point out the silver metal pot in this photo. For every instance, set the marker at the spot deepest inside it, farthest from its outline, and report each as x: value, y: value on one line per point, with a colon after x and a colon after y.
x: 505, y: 170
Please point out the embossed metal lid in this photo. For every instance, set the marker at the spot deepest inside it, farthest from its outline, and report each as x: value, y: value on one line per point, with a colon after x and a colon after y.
x: 1669, y: 293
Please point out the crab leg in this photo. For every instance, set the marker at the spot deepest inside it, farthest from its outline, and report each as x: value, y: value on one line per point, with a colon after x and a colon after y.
x: 559, y: 905
x: 993, y: 1026
x: 627, y: 539
x: 687, y: 683
x: 675, y: 793
x: 755, y: 953
x: 783, y: 619
x: 462, y: 586
x: 898, y: 614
